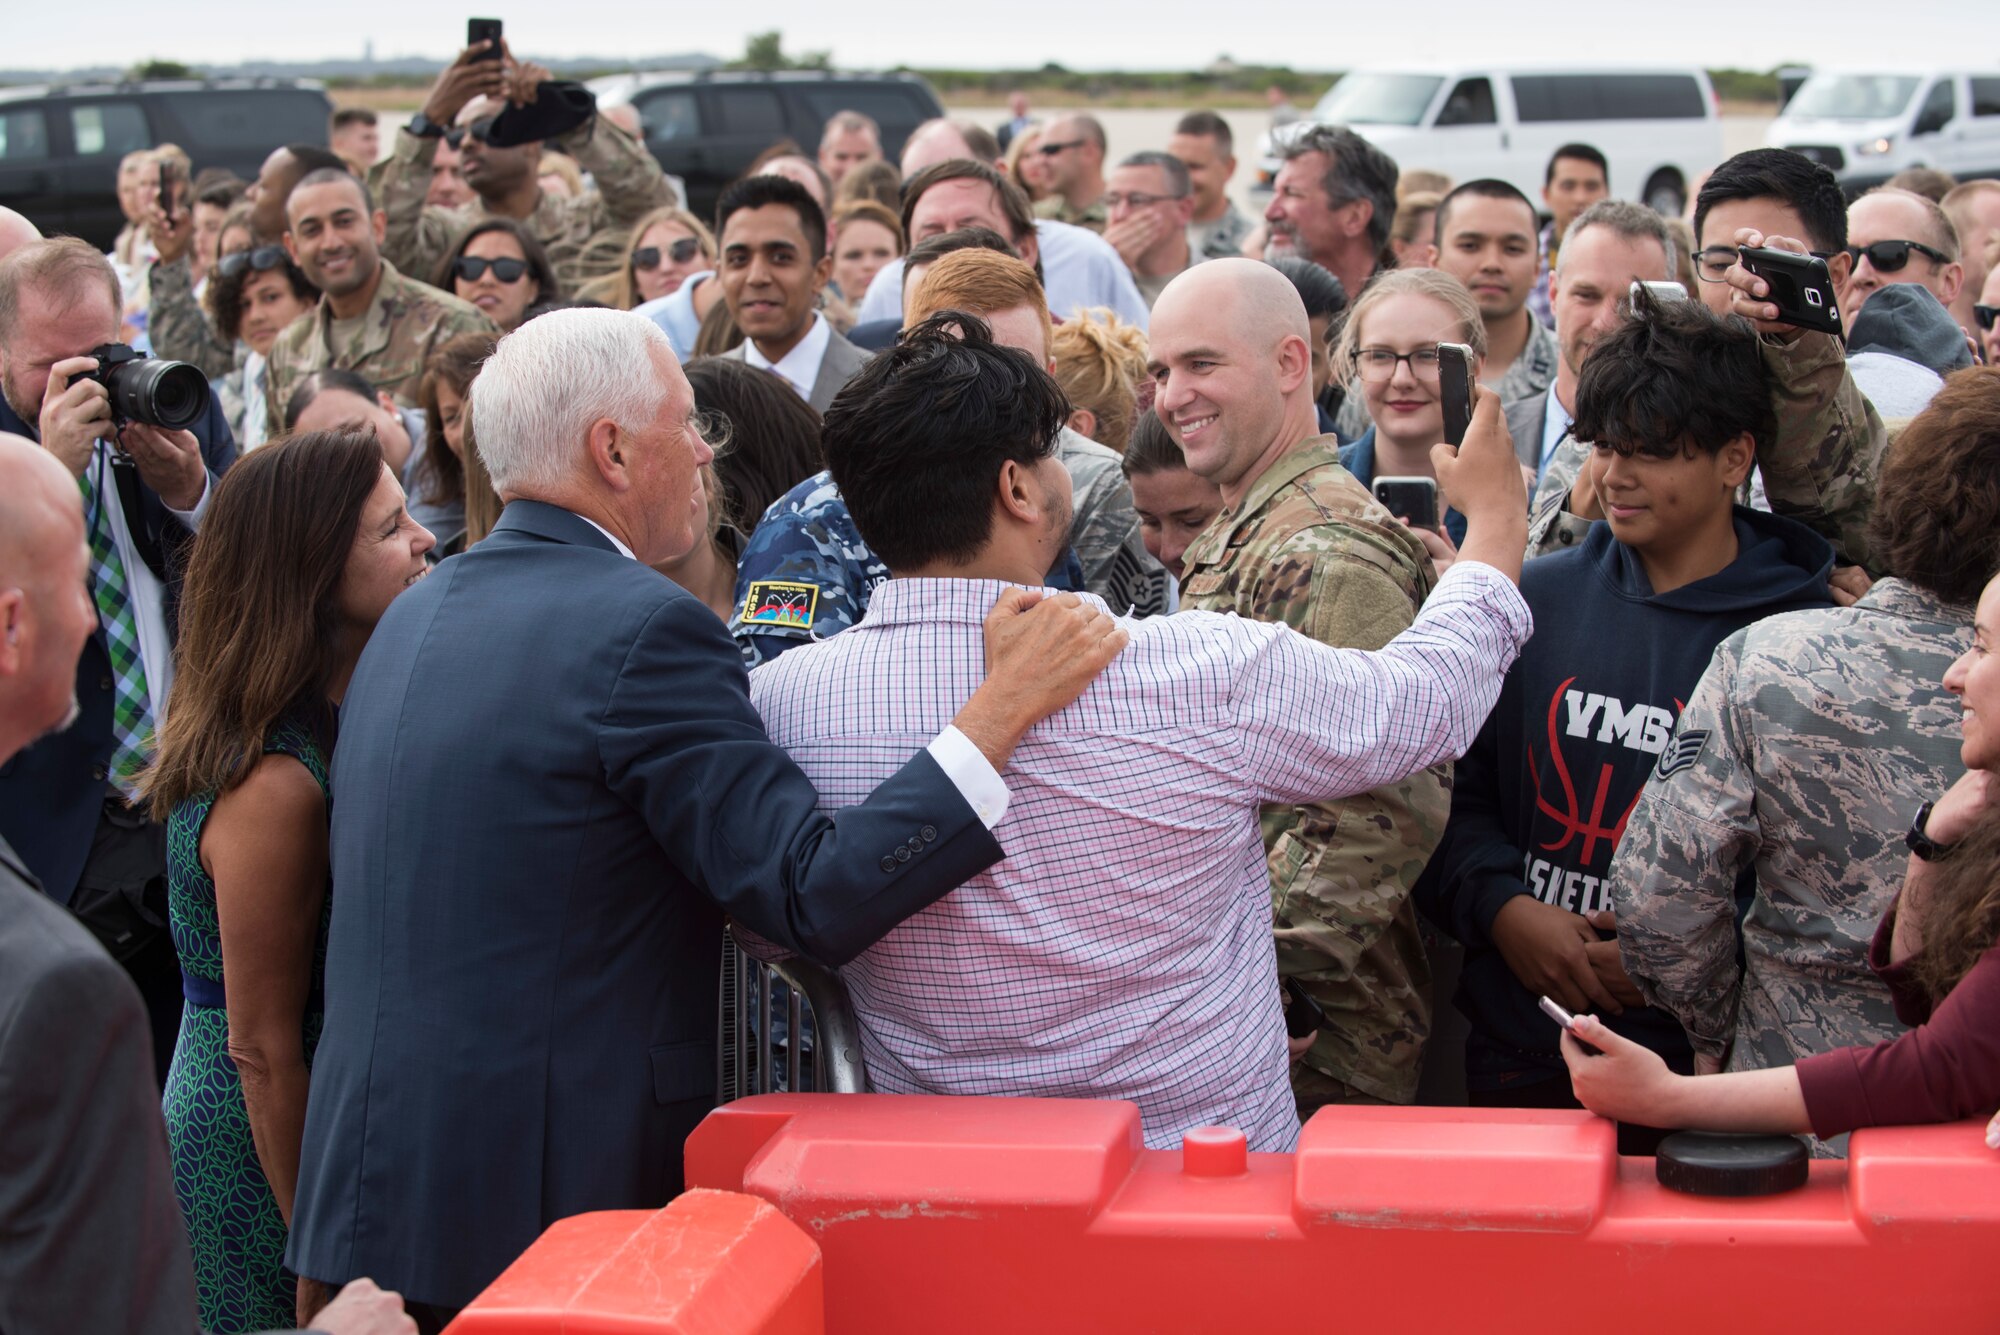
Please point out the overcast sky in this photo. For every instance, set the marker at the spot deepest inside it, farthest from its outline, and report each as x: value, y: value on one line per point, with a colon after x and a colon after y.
x: 1152, y: 34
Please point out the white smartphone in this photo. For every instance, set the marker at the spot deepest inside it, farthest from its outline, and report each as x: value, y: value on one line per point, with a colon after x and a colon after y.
x: 1562, y: 1017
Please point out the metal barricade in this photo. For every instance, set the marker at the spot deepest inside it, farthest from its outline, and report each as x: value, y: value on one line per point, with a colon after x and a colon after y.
x: 784, y: 1026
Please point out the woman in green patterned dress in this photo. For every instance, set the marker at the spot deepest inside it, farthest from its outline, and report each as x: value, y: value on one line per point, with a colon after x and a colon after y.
x: 302, y: 547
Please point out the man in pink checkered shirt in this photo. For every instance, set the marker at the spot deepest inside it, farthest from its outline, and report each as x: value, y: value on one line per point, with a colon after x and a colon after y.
x: 1123, y: 947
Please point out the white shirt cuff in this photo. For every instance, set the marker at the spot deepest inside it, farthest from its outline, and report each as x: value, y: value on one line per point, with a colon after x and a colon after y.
x: 971, y: 773
x: 192, y: 518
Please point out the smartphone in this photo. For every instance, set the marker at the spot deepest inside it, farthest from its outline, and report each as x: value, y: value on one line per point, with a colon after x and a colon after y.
x: 1303, y: 1015
x: 1454, y: 391
x: 1567, y: 1021
x: 1411, y: 498
x: 1801, y: 287
x: 1661, y: 291
x: 167, y: 191
x: 484, y: 30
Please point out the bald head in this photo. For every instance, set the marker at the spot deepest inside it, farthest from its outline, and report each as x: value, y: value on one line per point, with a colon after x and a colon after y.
x: 45, y: 608
x: 1246, y: 301
x: 15, y: 231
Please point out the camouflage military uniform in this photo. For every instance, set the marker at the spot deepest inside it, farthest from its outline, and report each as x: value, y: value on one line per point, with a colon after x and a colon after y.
x: 179, y: 327
x: 1093, y: 216
x: 395, y: 336
x: 630, y: 185
x: 806, y: 574
x: 1820, y: 469
x: 1222, y: 239
x: 1534, y: 369
x: 1310, y: 548
x: 1807, y: 746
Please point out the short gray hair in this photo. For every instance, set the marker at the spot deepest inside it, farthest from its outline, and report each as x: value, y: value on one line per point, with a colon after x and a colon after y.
x: 1179, y: 184
x: 548, y: 381
x: 1634, y: 222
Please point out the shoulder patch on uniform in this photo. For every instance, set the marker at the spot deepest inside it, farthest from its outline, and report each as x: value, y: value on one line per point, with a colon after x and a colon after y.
x: 1681, y: 753
x: 781, y: 602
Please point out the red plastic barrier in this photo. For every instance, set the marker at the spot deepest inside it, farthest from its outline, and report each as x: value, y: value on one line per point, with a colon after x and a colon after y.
x: 978, y: 1215
x: 711, y: 1263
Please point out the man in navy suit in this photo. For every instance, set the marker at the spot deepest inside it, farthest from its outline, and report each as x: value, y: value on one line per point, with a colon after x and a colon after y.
x: 66, y: 802
x: 549, y: 791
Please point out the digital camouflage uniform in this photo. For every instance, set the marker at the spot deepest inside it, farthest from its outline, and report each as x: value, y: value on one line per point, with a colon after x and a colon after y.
x: 1807, y: 746
x: 402, y: 324
x: 179, y: 328
x: 583, y: 236
x: 1820, y: 469
x: 1093, y: 215
x: 1309, y: 547
x: 806, y: 574
x: 1222, y: 239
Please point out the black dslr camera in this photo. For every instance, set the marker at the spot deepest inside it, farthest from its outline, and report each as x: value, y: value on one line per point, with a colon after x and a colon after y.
x: 169, y: 395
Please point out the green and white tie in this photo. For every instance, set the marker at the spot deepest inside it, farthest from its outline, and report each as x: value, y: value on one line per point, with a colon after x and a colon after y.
x: 131, y: 710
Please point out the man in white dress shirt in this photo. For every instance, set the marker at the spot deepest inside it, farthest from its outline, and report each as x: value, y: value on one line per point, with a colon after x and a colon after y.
x: 1123, y: 949
x: 774, y: 266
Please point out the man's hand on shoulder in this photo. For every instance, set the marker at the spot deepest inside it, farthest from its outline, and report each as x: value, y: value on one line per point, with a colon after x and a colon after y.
x: 1041, y: 652
x: 1482, y: 480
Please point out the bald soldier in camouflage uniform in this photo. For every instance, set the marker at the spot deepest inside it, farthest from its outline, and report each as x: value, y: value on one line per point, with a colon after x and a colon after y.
x: 387, y: 343
x: 583, y: 236
x: 1308, y: 546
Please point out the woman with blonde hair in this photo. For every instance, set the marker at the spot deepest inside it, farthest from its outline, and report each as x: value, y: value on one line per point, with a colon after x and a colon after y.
x: 1100, y: 362
x: 663, y: 250
x: 1025, y: 165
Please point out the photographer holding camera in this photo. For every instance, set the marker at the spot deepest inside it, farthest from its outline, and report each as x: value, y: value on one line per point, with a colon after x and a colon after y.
x: 144, y: 440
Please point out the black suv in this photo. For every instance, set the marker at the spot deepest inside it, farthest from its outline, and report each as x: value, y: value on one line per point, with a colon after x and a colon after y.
x: 708, y: 127
x: 60, y: 144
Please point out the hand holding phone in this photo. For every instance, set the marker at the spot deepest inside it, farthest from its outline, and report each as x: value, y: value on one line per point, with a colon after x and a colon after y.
x: 1799, y: 286
x: 1454, y: 392
x: 1562, y: 1017
x: 1412, y: 499
x: 484, y: 30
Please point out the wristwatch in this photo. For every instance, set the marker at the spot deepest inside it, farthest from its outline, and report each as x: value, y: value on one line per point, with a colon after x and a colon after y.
x: 1920, y: 843
x: 423, y: 127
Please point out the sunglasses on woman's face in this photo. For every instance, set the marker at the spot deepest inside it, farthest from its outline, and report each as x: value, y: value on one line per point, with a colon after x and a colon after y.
x: 1985, y: 315
x: 259, y: 258
x: 1891, y: 256
x: 682, y: 251
x: 472, y: 268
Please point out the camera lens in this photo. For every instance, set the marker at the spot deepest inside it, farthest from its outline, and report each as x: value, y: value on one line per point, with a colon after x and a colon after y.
x: 172, y: 395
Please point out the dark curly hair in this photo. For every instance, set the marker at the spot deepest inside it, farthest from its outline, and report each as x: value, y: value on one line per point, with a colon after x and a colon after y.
x: 1936, y: 521
x: 917, y: 438
x: 1674, y: 378
x: 1962, y: 915
x: 225, y: 294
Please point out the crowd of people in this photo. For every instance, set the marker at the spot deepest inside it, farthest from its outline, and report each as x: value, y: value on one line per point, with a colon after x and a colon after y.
x: 977, y: 573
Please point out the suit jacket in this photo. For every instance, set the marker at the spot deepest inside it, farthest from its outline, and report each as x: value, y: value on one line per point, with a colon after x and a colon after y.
x: 52, y: 793
x: 91, y: 1235
x: 553, y: 787
x: 1526, y: 419
x: 843, y: 361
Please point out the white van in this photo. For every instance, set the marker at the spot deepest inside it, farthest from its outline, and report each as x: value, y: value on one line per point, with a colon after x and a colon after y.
x: 1867, y: 125
x: 1658, y: 128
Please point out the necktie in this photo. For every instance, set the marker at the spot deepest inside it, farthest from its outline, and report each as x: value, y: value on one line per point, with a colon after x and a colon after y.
x: 131, y: 711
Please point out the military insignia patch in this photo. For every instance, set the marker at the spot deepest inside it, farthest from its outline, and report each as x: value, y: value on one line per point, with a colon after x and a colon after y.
x: 781, y: 602
x: 1681, y: 753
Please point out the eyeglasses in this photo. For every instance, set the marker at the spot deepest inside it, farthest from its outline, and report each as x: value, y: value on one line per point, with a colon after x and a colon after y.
x: 1052, y: 150
x: 680, y: 252
x: 1138, y: 200
x: 1890, y: 256
x: 1712, y: 265
x: 1984, y: 316
x: 472, y: 268
x: 481, y: 129
x: 1379, y: 364
x: 259, y: 258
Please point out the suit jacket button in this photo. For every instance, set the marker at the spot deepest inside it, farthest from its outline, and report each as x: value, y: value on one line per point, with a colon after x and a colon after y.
x: 97, y: 773
x: 888, y: 864
x: 902, y: 853
x: 104, y: 683
x: 930, y: 834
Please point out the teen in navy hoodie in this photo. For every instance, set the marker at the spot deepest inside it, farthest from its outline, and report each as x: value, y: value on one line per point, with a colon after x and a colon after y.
x: 1678, y: 403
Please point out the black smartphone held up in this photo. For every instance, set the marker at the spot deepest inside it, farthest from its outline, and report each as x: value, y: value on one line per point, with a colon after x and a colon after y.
x: 167, y: 191
x: 1455, y: 391
x: 484, y: 30
x: 1562, y: 1017
x: 1801, y: 288
x: 1411, y: 498
x: 1303, y: 1015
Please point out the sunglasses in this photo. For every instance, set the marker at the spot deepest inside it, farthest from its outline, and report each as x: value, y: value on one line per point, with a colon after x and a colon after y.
x: 682, y: 251
x: 1890, y: 256
x: 1051, y: 150
x: 1984, y: 316
x: 481, y: 129
x: 472, y: 268
x: 259, y: 258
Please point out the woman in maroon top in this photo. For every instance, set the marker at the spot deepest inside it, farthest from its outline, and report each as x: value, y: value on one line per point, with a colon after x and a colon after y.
x: 1936, y: 949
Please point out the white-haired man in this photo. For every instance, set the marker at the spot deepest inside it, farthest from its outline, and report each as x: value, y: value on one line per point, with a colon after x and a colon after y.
x: 535, y: 859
